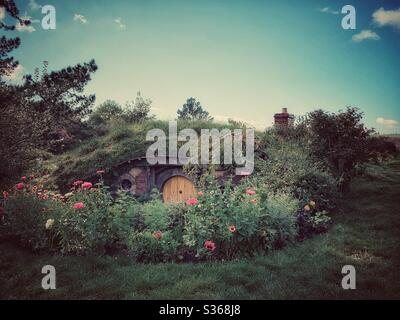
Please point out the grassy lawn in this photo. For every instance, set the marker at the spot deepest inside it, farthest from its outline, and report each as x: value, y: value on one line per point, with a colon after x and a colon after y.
x: 365, y: 234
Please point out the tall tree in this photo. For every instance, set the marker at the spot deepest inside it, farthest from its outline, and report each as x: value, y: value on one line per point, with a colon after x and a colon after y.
x: 192, y: 110
x: 59, y: 97
x: 7, y: 63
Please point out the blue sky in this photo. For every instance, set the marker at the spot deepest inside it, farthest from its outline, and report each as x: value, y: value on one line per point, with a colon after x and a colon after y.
x: 243, y: 59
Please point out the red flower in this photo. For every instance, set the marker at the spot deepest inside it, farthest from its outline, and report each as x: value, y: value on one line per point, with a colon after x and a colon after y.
x: 87, y: 185
x: 20, y: 186
x: 192, y: 201
x: 79, y: 205
x: 250, y: 192
x: 77, y: 183
x: 232, y: 228
x: 200, y: 193
x: 100, y: 172
x: 23, y: 178
x: 158, y: 235
x: 209, y: 245
x: 5, y: 194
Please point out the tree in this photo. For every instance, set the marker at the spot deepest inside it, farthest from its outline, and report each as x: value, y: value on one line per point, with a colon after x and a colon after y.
x: 21, y: 133
x: 44, y: 113
x: 106, y: 111
x: 341, y: 141
x: 59, y: 97
x: 192, y: 110
x: 138, y: 111
x: 8, y: 64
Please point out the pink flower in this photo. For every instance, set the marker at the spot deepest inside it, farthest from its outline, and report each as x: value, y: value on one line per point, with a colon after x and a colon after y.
x: 192, y: 201
x: 209, y: 245
x: 23, y: 178
x: 232, y: 229
x: 5, y: 194
x: 250, y: 192
x: 77, y: 183
x: 79, y: 205
x: 87, y: 185
x: 158, y: 235
x: 200, y: 193
x: 20, y: 186
x: 100, y: 172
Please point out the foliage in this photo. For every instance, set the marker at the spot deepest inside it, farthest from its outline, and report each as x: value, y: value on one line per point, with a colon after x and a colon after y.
x: 356, y: 237
x: 192, y: 110
x: 26, y: 212
x: 137, y: 111
x: 341, y: 141
x: 7, y: 63
x: 106, y: 111
x: 286, y: 165
x: 226, y: 223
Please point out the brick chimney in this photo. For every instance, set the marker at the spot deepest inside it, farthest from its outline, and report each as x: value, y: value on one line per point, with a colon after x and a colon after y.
x: 284, y: 119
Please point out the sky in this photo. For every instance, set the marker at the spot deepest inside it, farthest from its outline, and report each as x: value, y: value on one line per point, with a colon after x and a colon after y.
x: 242, y: 59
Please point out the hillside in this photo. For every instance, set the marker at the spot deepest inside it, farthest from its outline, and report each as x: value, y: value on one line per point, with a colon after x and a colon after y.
x: 121, y: 142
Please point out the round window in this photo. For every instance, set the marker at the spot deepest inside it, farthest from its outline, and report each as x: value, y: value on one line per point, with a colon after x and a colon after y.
x: 126, y: 184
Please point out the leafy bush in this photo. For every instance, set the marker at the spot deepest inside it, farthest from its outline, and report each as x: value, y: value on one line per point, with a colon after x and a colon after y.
x: 281, y: 218
x: 25, y: 216
x: 157, y: 239
x: 220, y: 223
x: 342, y: 141
x: 289, y: 168
x: 147, y: 246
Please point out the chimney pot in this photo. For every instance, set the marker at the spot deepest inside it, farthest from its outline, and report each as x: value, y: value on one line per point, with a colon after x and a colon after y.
x: 284, y: 110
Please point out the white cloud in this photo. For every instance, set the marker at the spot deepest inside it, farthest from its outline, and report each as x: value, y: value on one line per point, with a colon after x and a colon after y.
x: 80, y: 18
x: 34, y: 5
x: 328, y: 10
x: 16, y: 75
x: 384, y: 18
x: 365, y: 35
x: 2, y: 13
x: 24, y: 28
x: 120, y: 24
x: 387, y: 122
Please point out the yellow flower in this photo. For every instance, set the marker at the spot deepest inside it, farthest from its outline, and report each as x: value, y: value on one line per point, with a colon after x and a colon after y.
x: 49, y: 223
x: 307, y: 207
x: 312, y: 203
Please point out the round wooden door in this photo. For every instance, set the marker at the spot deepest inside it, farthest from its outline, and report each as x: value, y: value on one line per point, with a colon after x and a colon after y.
x: 178, y: 189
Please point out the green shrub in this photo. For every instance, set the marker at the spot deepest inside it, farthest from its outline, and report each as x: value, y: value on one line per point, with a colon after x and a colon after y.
x: 25, y: 217
x: 225, y: 223
x: 288, y: 167
x: 156, y: 246
x: 280, y: 220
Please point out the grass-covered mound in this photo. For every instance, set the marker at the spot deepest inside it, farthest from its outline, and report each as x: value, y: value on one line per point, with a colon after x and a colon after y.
x: 120, y: 142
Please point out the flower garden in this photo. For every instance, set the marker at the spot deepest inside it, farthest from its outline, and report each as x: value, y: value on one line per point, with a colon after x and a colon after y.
x: 225, y: 224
